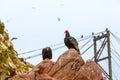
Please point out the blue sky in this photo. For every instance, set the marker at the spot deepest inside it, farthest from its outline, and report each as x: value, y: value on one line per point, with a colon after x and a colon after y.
x: 35, y: 23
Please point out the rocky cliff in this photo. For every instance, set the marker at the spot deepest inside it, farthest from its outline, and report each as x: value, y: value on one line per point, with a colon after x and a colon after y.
x: 69, y: 66
x: 10, y: 64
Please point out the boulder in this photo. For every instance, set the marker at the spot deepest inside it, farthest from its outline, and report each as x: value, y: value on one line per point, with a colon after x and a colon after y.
x: 69, y: 66
x: 39, y: 72
x: 89, y: 71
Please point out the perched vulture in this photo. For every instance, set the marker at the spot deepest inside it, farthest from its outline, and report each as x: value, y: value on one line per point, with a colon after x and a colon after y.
x: 47, y: 53
x: 71, y: 42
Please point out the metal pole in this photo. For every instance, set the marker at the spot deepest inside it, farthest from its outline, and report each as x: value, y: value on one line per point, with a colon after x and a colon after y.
x: 95, y: 49
x: 109, y: 55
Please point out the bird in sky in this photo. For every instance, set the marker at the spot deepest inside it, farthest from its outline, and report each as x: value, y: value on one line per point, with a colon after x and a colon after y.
x: 71, y: 42
x: 14, y: 38
x: 58, y: 19
x: 47, y: 53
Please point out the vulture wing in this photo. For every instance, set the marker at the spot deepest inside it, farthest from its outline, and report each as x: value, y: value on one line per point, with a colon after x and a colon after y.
x: 71, y: 42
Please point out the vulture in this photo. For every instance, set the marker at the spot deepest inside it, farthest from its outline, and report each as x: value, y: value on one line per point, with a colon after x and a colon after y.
x: 47, y: 53
x: 71, y: 42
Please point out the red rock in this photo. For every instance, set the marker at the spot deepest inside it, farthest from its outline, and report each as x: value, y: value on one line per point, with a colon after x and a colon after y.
x: 89, y: 71
x: 67, y: 65
x: 44, y: 77
x: 40, y: 69
x: 43, y: 67
x: 20, y: 77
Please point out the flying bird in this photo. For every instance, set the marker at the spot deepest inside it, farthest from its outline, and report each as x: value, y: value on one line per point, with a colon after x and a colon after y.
x: 47, y: 53
x: 58, y: 19
x: 14, y: 38
x: 71, y: 42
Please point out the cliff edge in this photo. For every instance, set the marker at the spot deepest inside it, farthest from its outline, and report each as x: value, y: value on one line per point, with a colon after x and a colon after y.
x: 10, y: 64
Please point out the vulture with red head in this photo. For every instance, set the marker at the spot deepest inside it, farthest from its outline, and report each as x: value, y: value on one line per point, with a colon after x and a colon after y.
x: 71, y: 42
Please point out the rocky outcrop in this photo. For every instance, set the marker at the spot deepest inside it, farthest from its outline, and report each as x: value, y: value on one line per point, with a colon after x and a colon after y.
x: 39, y: 72
x: 10, y: 64
x: 69, y: 66
x: 89, y: 71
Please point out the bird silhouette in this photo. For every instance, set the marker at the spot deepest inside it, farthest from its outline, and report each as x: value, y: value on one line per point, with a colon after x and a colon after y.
x: 58, y: 19
x: 14, y: 38
x: 47, y: 53
x: 71, y: 42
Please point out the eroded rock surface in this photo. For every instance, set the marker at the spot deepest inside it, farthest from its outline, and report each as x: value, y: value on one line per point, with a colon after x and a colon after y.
x: 69, y: 66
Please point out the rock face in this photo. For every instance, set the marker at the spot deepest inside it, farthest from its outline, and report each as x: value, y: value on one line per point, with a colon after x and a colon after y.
x: 69, y: 66
x: 10, y: 64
